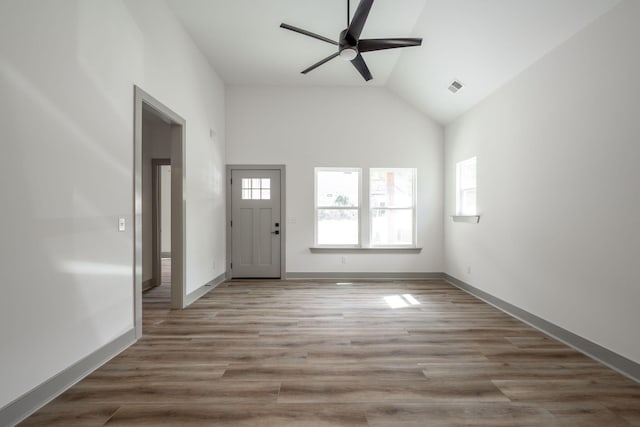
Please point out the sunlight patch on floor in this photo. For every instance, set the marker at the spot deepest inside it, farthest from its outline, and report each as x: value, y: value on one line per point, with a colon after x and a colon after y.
x: 400, y: 301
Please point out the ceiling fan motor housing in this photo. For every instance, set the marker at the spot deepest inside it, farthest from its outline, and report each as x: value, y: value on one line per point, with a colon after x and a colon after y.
x: 348, y: 50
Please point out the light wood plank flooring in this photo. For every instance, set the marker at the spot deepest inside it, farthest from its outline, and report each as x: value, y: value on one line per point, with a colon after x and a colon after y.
x: 274, y: 353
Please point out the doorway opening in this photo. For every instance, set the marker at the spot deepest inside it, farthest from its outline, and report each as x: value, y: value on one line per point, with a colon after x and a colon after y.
x: 159, y: 228
x: 159, y: 208
x: 156, y: 220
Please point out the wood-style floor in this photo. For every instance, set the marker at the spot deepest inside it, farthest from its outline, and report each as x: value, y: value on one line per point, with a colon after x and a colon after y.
x: 274, y: 353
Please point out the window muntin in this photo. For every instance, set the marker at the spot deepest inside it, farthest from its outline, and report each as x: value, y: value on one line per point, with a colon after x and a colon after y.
x: 256, y: 188
x: 337, y: 206
x: 392, y: 206
x: 466, y: 187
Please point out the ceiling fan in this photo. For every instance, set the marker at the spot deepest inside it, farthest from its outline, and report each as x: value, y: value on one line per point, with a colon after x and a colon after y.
x: 350, y: 46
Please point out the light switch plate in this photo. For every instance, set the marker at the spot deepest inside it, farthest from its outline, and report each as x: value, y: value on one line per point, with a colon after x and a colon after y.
x: 121, y: 224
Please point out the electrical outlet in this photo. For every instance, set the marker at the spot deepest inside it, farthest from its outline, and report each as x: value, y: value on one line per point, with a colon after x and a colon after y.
x: 121, y: 224
x: 468, y: 269
x: 343, y: 260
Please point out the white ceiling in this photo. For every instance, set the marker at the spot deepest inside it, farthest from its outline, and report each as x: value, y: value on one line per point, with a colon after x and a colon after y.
x: 483, y: 43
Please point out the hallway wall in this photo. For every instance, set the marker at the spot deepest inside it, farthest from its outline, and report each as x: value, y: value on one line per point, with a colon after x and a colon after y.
x: 67, y: 75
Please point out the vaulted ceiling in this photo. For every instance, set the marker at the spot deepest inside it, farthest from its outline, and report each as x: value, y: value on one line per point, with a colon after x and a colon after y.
x: 482, y: 43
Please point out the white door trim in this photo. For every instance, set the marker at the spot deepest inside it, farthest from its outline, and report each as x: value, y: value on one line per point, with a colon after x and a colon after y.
x: 283, y: 216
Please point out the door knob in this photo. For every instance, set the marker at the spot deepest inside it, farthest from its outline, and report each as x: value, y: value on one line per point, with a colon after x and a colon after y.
x: 275, y: 232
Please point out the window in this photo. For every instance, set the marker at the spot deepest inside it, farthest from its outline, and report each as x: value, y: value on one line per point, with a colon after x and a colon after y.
x: 256, y: 188
x: 337, y: 206
x: 392, y: 206
x: 466, y: 187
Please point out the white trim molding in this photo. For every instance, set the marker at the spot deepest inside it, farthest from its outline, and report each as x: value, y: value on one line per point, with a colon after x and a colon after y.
x: 292, y: 275
x: 204, y: 289
x: 613, y: 360
x: 474, y: 219
x: 30, y: 402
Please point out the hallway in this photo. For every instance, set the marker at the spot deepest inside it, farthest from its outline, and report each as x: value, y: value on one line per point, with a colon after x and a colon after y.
x: 156, y: 302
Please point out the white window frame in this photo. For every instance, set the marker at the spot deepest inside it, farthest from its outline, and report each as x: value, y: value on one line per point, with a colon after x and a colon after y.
x: 413, y: 208
x: 318, y: 208
x: 460, y: 209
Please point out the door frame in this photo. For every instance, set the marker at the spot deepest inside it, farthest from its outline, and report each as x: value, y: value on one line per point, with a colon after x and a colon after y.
x: 142, y: 100
x: 283, y: 216
x: 157, y: 217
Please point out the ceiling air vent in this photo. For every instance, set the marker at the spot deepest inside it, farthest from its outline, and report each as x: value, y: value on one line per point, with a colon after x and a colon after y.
x: 455, y: 86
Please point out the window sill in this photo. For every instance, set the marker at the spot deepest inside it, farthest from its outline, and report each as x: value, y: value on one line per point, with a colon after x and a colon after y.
x: 343, y: 249
x: 474, y: 219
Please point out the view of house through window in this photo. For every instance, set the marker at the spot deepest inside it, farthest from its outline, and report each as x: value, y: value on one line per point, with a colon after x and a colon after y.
x: 466, y: 187
x: 338, y: 206
x: 392, y: 206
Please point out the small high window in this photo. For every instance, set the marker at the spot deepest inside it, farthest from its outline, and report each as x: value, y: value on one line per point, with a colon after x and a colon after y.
x: 466, y: 187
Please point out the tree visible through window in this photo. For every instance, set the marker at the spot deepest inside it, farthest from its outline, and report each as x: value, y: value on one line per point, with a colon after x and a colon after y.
x: 391, y: 205
x: 337, y: 206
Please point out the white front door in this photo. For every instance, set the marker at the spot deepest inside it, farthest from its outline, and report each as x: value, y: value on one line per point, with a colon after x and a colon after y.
x: 256, y: 226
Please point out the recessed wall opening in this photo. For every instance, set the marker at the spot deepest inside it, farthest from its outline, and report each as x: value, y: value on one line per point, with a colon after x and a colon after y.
x: 159, y: 207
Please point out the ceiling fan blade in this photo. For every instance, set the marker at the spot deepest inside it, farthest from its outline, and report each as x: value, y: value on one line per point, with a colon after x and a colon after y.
x: 357, y: 23
x: 362, y: 68
x: 307, y: 33
x: 369, y: 45
x: 319, y: 63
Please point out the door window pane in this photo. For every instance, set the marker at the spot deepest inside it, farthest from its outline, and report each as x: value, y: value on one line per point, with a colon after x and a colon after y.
x: 256, y: 188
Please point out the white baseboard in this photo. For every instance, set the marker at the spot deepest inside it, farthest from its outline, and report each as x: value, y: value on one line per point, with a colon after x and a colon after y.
x: 30, y: 402
x: 204, y: 289
x: 619, y: 363
x: 292, y: 275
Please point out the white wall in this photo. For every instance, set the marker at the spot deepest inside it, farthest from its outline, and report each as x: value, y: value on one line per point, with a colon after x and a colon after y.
x: 67, y: 71
x: 360, y: 127
x: 178, y: 75
x: 558, y: 172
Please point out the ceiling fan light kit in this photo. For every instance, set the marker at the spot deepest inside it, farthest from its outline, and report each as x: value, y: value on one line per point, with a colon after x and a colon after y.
x: 348, y: 54
x: 349, y: 44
